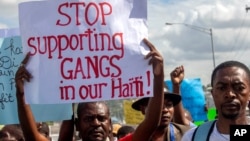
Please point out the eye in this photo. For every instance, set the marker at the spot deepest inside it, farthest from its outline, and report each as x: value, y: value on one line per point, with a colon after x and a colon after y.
x: 88, y: 118
x: 221, y: 87
x: 238, y: 88
x: 168, y: 105
x: 102, y: 118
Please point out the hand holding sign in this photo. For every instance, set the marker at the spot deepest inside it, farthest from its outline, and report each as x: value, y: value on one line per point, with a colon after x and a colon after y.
x: 156, y: 60
x: 21, y: 75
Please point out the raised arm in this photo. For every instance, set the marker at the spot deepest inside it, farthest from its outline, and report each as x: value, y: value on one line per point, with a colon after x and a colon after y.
x: 25, y: 114
x: 177, y: 75
x: 66, y: 132
x: 155, y: 104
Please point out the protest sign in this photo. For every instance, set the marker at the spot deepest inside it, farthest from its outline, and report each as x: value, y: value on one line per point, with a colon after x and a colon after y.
x: 193, y: 98
x: 11, y: 56
x: 85, y: 50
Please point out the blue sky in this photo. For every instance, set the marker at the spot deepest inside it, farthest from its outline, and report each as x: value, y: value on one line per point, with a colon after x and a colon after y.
x: 182, y: 45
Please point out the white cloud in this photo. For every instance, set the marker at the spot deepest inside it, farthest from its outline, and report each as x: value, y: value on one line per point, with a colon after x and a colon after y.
x: 182, y: 45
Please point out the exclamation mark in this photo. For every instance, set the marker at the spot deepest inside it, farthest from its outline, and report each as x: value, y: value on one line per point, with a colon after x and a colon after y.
x: 148, y: 77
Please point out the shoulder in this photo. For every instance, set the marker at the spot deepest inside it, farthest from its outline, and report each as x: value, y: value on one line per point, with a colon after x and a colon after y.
x: 202, y: 131
x: 188, y: 135
x: 127, y: 138
x: 191, y: 124
x: 181, y: 127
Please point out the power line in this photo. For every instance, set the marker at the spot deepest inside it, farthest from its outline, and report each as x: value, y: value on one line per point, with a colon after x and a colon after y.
x: 208, y: 31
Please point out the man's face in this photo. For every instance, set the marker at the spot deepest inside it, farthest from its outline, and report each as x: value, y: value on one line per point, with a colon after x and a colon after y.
x: 231, y: 92
x: 94, y: 123
x: 167, y: 112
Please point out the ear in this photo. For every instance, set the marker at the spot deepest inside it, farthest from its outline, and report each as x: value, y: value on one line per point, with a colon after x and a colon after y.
x: 110, y: 127
x: 77, y: 124
x: 211, y: 91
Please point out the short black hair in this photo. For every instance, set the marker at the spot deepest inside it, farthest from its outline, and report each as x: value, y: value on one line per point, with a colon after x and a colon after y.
x: 83, y: 104
x: 44, y: 129
x: 230, y: 64
x: 124, y: 130
x: 14, y: 130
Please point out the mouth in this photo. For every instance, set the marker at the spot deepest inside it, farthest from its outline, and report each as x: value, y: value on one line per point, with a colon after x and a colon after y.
x: 165, y: 118
x: 96, y: 134
x: 231, y: 106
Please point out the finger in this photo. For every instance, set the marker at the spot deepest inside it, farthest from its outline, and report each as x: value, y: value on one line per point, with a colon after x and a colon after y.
x: 26, y: 59
x: 148, y: 55
x: 158, y: 58
x: 151, y: 54
x: 182, y: 68
x: 27, y: 76
x: 155, y: 60
x: 150, y: 62
x: 150, y: 45
x: 23, y: 74
x: 179, y: 70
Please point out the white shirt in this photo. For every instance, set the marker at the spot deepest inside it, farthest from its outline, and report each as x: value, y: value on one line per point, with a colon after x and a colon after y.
x: 214, y: 136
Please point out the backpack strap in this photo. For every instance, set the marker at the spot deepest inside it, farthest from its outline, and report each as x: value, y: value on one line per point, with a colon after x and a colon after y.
x: 203, y: 131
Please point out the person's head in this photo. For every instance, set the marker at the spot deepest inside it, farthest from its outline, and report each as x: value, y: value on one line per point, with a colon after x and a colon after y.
x: 170, y: 100
x: 231, y: 89
x: 43, y: 128
x: 94, y: 122
x: 124, y: 130
x: 11, y: 133
x: 116, y: 127
x: 167, y: 112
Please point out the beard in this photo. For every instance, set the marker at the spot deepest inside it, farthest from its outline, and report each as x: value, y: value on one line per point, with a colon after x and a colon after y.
x: 230, y: 115
x: 230, y: 112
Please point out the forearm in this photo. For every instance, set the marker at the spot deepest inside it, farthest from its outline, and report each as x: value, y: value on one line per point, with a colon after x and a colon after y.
x: 27, y: 120
x: 66, y: 130
x: 155, y: 103
x: 153, y: 114
x: 179, y: 114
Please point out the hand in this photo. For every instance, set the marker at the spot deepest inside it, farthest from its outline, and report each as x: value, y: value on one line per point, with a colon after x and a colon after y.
x: 156, y: 59
x: 22, y: 74
x: 177, y: 75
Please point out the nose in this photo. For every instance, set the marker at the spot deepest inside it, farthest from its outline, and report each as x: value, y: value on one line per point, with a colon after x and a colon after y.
x: 165, y: 109
x: 230, y: 93
x: 96, y: 122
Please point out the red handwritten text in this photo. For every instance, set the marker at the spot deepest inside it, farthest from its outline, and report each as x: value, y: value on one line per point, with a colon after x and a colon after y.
x: 95, y: 67
x: 57, y: 44
x: 85, y: 91
x: 100, y: 10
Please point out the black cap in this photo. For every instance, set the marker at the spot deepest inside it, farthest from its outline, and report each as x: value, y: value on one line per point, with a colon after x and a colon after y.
x: 175, y: 98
